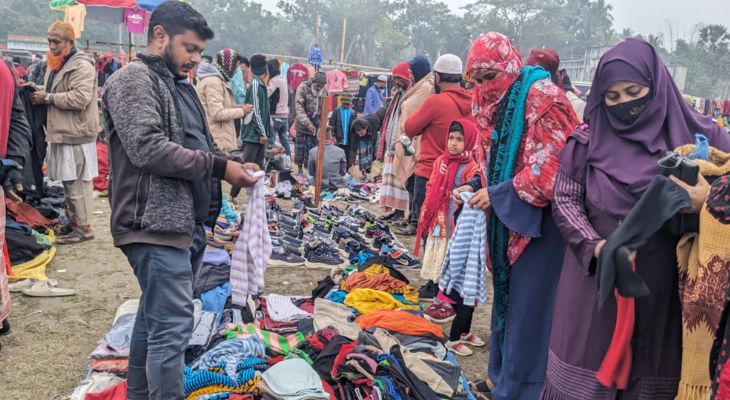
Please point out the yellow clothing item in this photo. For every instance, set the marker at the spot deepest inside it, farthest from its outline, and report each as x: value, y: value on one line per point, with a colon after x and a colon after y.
x: 409, y: 292
x: 368, y: 300
x: 34, y: 269
x: 75, y: 16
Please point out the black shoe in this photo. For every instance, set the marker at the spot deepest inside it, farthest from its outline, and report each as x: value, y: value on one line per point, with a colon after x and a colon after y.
x: 292, y: 241
x: 280, y: 257
x: 295, y: 233
x: 428, y: 291
x: 5, y: 328
x: 409, y: 230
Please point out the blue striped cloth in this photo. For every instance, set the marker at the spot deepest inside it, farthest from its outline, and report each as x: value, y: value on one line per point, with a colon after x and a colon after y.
x: 230, y: 353
x: 465, y: 265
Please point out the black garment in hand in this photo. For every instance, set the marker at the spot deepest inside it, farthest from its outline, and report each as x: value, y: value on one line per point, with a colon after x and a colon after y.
x: 660, y: 202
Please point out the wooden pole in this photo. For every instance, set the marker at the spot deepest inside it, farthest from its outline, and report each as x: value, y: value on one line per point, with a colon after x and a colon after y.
x: 322, y: 139
x: 316, y: 30
x: 344, y: 34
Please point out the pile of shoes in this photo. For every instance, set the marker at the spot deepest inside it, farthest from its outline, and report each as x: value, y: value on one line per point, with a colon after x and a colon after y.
x: 330, y: 237
x: 224, y: 235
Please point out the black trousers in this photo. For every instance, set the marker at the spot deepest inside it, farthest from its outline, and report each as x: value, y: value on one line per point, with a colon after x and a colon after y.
x: 417, y: 197
x: 462, y: 322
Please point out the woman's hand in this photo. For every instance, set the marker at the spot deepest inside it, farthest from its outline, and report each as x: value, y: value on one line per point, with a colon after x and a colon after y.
x: 456, y: 194
x: 599, y: 247
x: 480, y: 200
x: 602, y: 243
x: 697, y: 193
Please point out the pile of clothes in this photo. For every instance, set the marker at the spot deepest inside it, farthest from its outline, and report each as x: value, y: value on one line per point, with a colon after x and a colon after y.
x: 29, y: 232
x: 360, y: 335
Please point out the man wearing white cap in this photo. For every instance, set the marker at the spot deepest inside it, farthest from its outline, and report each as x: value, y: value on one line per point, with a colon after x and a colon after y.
x: 375, y: 96
x: 432, y: 121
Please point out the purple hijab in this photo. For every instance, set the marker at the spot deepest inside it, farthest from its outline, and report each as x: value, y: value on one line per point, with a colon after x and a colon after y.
x: 621, y: 159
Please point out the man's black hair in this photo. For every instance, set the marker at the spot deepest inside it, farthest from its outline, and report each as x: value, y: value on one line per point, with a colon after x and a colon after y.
x: 450, y: 78
x: 177, y: 17
x: 360, y: 124
x: 243, y: 60
x: 456, y: 127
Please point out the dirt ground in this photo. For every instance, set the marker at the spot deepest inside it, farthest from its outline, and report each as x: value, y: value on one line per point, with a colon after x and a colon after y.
x: 45, y: 356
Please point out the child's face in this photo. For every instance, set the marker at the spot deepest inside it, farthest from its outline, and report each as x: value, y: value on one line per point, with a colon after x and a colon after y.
x: 456, y: 143
x: 361, y: 132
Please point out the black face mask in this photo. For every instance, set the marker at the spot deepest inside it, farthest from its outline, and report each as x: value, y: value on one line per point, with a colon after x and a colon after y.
x: 630, y: 111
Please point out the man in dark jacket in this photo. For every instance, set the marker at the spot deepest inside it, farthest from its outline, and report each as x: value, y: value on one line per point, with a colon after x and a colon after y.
x: 341, y: 122
x: 307, y: 106
x: 162, y: 175
x: 256, y: 133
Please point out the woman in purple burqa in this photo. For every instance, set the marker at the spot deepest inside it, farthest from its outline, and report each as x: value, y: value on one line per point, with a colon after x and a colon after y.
x: 605, y: 167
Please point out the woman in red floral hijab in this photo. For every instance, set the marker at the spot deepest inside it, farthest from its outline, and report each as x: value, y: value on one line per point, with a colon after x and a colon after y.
x: 524, y: 121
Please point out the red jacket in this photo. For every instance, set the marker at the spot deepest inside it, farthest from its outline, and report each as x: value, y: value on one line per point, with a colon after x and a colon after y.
x: 432, y: 121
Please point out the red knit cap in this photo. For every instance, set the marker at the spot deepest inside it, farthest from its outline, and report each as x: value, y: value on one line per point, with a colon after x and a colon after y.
x: 403, y: 71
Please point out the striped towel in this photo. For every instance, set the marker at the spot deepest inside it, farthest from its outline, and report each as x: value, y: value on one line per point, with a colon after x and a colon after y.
x: 465, y: 266
x: 230, y: 353
x: 279, y: 344
x: 253, y: 248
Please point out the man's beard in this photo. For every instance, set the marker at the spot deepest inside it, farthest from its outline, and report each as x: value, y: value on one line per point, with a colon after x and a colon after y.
x: 170, y: 62
x: 55, y: 63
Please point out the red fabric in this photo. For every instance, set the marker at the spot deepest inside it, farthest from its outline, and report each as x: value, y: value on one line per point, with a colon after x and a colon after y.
x: 6, y: 254
x: 616, y: 365
x: 24, y: 213
x: 345, y: 349
x: 432, y: 121
x: 402, y: 70
x: 296, y: 75
x: 110, y: 3
x: 441, y: 184
x: 549, y: 60
x: 22, y: 72
x: 492, y: 51
x: 101, y: 182
x: 329, y: 390
x: 118, y: 392
x: 115, y: 365
x: 275, y: 360
x: 7, y: 93
x: 241, y: 397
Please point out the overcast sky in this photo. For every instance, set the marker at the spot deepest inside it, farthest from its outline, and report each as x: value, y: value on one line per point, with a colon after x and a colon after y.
x: 643, y: 16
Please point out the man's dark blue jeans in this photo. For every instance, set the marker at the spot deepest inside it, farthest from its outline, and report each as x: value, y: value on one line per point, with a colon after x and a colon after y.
x: 164, y: 321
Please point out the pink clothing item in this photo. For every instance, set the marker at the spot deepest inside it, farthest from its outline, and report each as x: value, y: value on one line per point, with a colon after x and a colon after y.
x: 134, y: 19
x: 337, y: 82
x: 253, y: 248
x: 296, y: 75
x: 442, y: 298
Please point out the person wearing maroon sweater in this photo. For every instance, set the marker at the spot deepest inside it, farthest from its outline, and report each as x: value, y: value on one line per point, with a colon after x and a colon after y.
x: 431, y: 121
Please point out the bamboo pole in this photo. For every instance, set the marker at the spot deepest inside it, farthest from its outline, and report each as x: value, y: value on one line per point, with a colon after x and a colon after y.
x: 321, y: 139
x: 344, y: 34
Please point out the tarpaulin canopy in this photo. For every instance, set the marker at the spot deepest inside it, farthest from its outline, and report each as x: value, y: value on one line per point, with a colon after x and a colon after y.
x: 148, y: 5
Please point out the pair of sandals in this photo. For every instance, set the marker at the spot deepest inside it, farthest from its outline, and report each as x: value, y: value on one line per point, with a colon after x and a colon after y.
x: 73, y: 237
